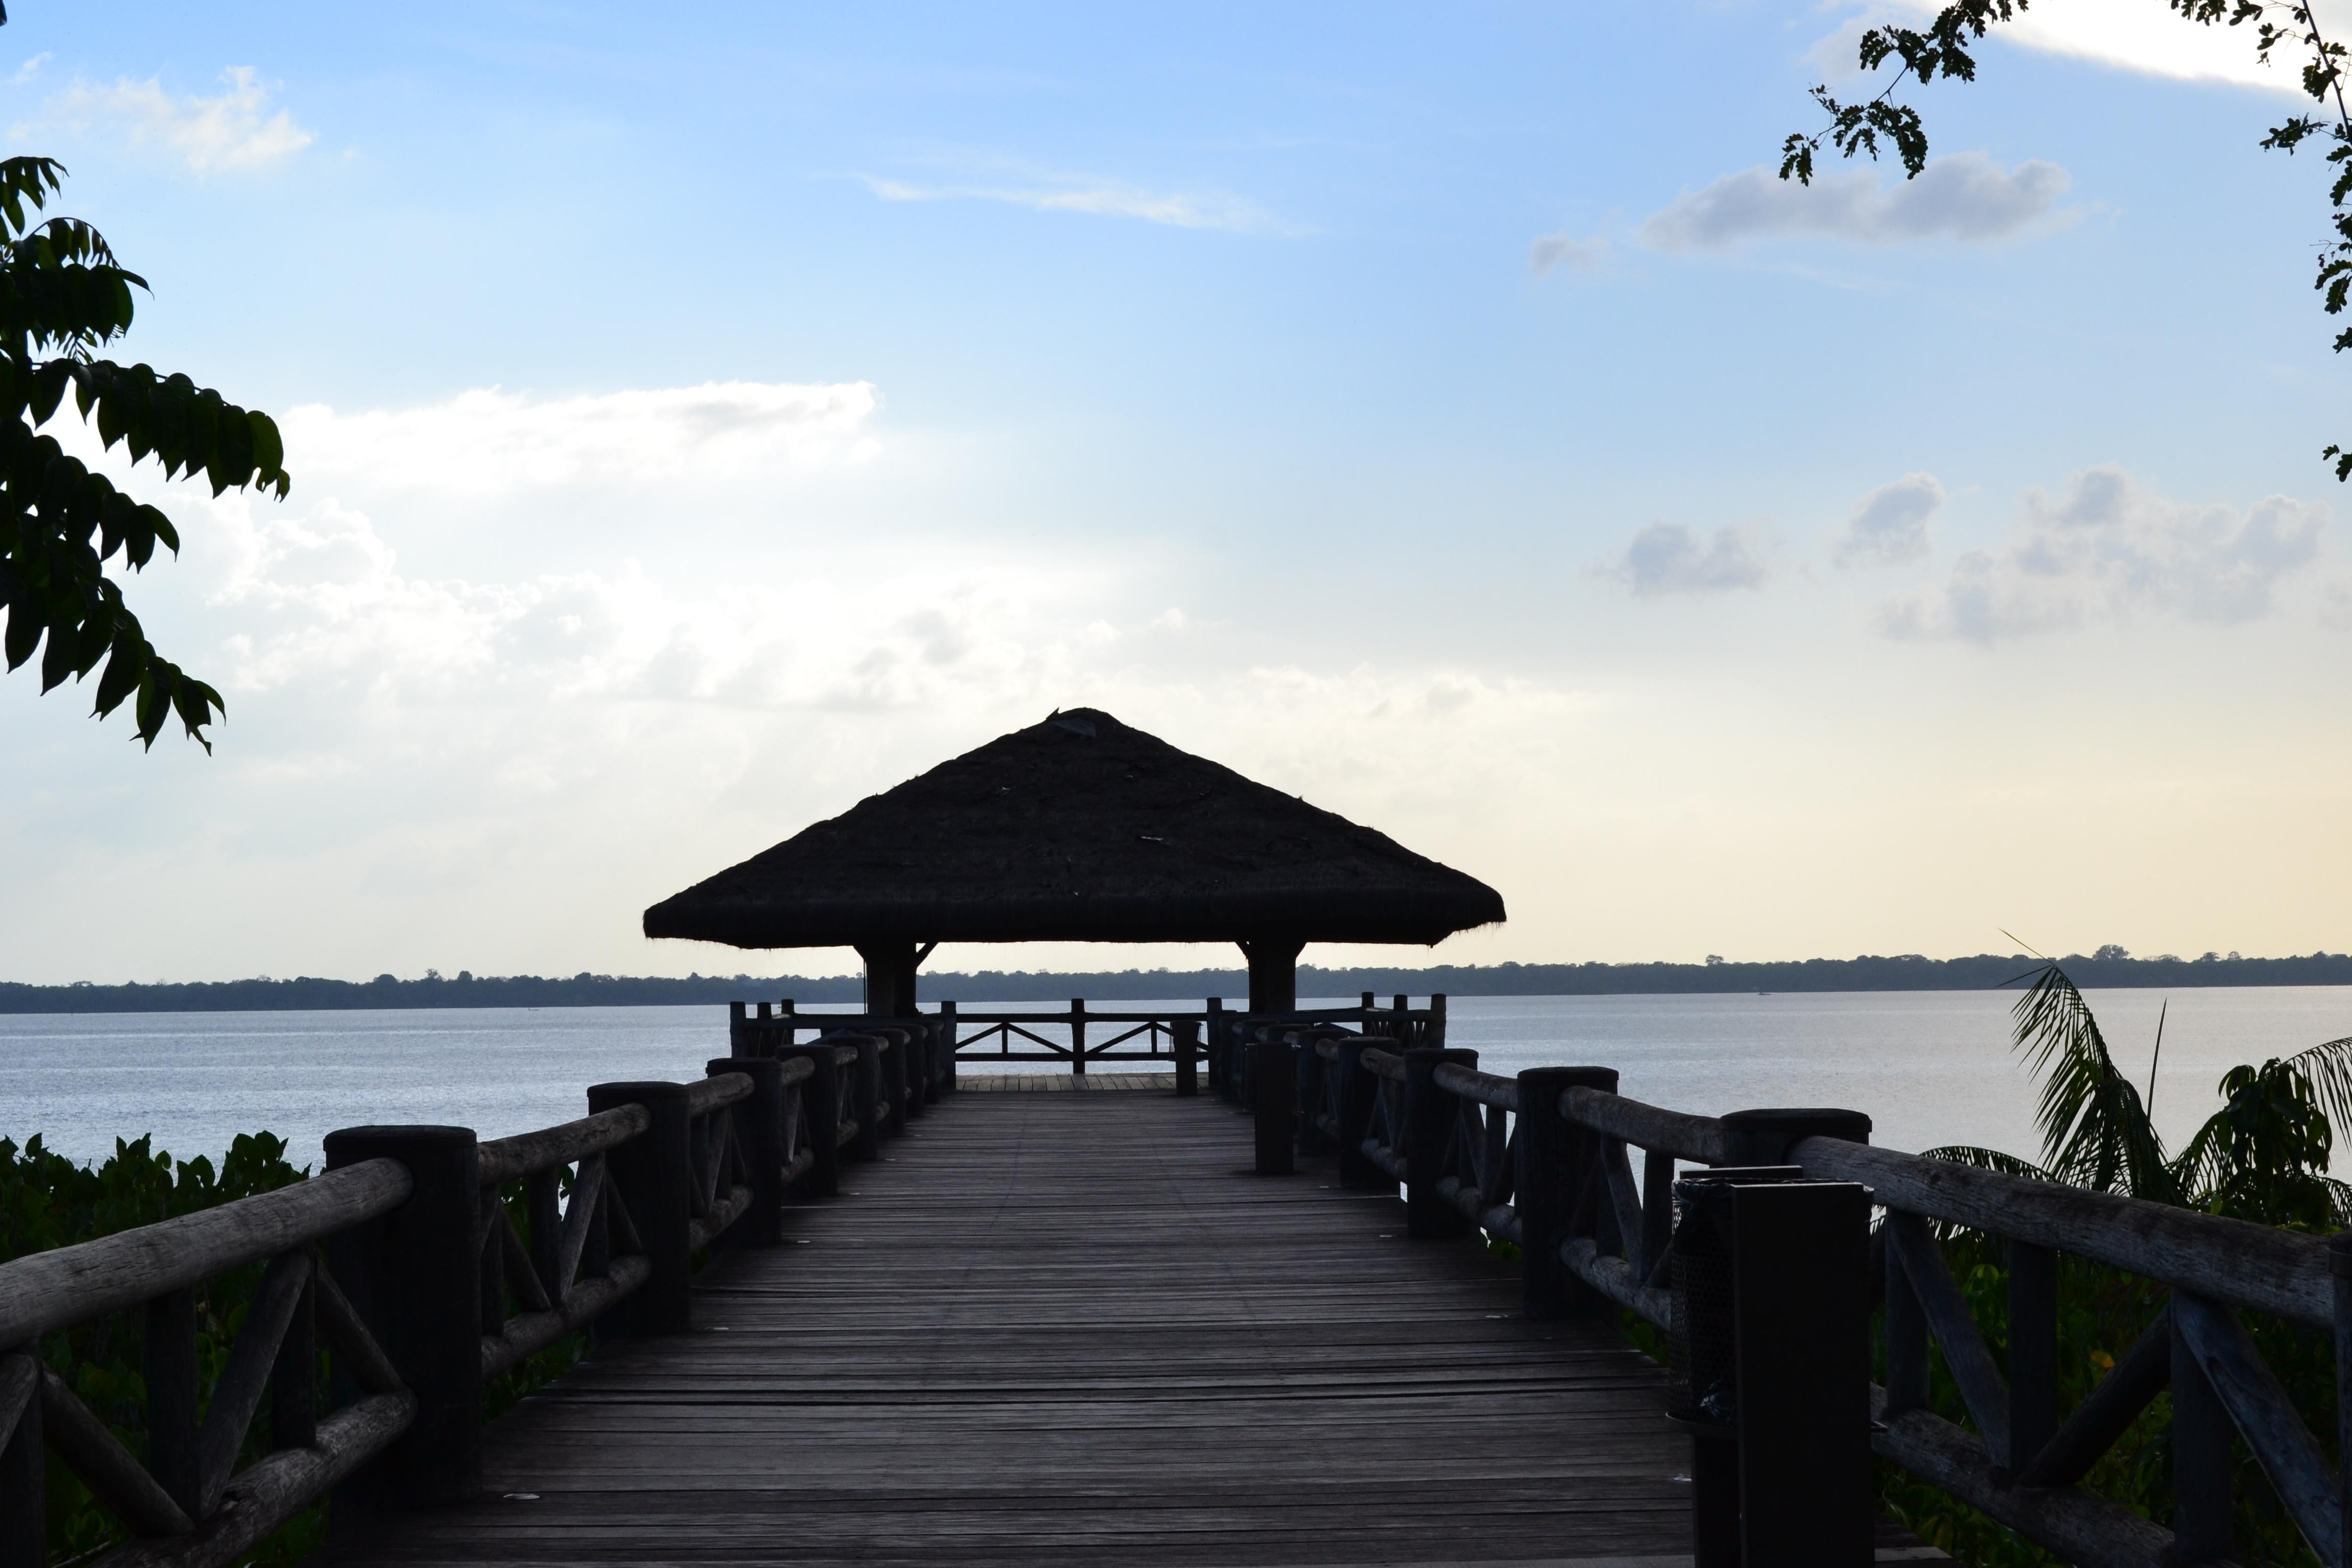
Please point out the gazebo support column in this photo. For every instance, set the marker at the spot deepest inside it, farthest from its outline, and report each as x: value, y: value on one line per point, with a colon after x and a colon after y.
x: 1273, y: 973
x: 891, y: 965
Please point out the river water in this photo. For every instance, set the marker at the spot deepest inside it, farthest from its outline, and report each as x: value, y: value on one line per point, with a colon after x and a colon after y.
x: 1932, y: 1066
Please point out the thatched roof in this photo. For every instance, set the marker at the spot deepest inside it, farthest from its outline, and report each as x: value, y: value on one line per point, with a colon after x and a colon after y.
x: 1079, y: 829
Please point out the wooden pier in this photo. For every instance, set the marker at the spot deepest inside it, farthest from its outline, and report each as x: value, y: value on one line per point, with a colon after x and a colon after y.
x: 1357, y: 1303
x: 1078, y: 1329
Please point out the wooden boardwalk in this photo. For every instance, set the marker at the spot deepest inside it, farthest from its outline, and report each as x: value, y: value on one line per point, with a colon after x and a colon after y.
x: 1073, y: 1329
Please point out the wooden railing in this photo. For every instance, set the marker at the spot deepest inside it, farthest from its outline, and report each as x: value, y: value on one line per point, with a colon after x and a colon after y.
x: 428, y: 1263
x: 1542, y: 1160
x: 1215, y: 1037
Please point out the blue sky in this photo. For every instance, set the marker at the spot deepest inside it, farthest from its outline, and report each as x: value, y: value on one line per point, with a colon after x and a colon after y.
x: 700, y: 419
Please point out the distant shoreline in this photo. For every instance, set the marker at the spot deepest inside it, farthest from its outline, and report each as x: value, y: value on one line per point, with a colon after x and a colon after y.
x: 1907, y: 973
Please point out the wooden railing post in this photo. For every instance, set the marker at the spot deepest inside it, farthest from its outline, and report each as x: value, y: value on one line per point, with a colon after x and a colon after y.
x: 1078, y: 1035
x: 948, y: 1027
x: 821, y: 1102
x: 2203, y: 1502
x: 1273, y: 1075
x: 654, y: 1174
x: 1556, y: 1158
x: 905, y: 1080
x: 866, y: 1095
x: 171, y: 1396
x: 1429, y: 1134
x: 735, y: 1031
x: 1779, y: 1321
x: 760, y: 1130
x: 1306, y: 1097
x: 1437, y: 1021
x: 415, y: 1276
x: 2032, y: 1354
x: 1351, y: 1112
x: 1906, y: 1338
x: 1221, y: 1071
x: 294, y: 1377
x: 23, y: 1523
x: 2339, y: 1270
x: 1188, y: 1048
x: 1766, y: 1137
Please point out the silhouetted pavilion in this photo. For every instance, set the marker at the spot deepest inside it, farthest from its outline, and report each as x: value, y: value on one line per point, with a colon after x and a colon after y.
x: 1078, y: 829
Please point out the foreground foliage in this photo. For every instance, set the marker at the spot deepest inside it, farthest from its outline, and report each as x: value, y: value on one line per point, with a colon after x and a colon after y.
x: 48, y: 1201
x: 2262, y: 1156
x: 1946, y: 47
x: 63, y: 297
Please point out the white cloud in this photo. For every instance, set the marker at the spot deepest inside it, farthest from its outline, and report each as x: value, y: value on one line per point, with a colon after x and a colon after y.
x: 30, y: 69
x: 1554, y: 251
x: 1965, y: 197
x: 488, y: 440
x: 1668, y: 558
x: 1105, y: 198
x: 1890, y: 525
x: 324, y: 611
x: 233, y: 130
x: 2109, y: 548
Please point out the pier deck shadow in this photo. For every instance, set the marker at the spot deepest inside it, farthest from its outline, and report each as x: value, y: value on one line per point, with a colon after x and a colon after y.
x: 1075, y: 1329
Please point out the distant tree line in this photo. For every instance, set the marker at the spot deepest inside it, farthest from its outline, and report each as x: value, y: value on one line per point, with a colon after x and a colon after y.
x: 2109, y: 966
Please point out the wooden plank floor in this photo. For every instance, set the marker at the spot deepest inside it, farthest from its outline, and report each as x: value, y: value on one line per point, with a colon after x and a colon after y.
x: 1072, y: 1328
x: 1112, y: 1081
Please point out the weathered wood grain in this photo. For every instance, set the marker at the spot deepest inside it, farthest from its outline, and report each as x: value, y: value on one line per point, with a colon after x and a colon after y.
x: 45, y: 1291
x: 1485, y: 1088
x: 237, y: 1395
x: 274, y: 1488
x: 2084, y: 1528
x: 504, y: 1159
x: 1698, y: 1138
x: 2256, y: 1267
x: 1071, y: 1329
x: 706, y: 1094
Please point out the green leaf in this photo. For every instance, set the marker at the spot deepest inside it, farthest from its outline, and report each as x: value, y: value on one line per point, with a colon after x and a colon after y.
x: 24, y: 634
x: 49, y: 390
x: 58, y: 660
x: 62, y: 294
x: 123, y: 670
x: 194, y: 703
x: 268, y: 450
x: 155, y: 703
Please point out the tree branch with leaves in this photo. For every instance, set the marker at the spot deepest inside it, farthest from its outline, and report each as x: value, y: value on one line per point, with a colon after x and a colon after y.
x: 63, y: 528
x: 1945, y: 48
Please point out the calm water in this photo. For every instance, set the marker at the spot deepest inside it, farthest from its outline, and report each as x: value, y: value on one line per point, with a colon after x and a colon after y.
x: 1929, y: 1066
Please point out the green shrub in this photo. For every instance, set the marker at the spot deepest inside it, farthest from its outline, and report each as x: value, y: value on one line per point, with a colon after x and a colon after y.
x: 48, y: 1201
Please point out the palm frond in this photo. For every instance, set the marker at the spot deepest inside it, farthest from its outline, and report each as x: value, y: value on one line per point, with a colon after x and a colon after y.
x: 2339, y: 1198
x: 1988, y: 1160
x: 2327, y: 1067
x: 2094, y: 1129
x: 2204, y: 1160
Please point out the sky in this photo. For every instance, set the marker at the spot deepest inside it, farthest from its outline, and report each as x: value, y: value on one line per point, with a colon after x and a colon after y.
x: 703, y: 418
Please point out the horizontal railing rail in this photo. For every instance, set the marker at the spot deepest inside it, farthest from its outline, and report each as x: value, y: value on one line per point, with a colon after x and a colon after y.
x: 1544, y: 1160
x: 1080, y: 1036
x: 423, y: 1263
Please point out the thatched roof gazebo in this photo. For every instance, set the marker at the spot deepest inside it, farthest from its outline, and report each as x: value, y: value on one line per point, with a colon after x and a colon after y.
x: 1078, y: 829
